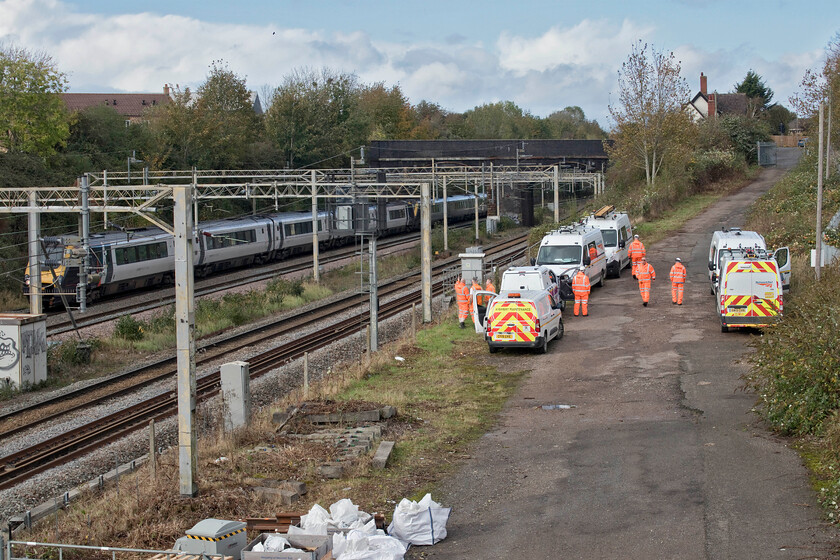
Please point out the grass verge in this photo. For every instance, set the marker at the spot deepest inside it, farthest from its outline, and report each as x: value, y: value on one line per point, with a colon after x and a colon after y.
x: 794, y: 365
x: 445, y: 397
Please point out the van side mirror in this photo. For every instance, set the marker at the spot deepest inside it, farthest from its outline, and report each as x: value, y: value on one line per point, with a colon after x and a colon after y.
x: 586, y: 260
x: 711, y: 265
x: 622, y: 244
x: 533, y: 261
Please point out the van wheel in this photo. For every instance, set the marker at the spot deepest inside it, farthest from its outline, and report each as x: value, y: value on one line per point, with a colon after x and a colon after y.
x: 492, y: 349
x: 724, y: 328
x: 544, y: 348
x: 618, y: 271
x: 602, y: 281
x: 560, y: 329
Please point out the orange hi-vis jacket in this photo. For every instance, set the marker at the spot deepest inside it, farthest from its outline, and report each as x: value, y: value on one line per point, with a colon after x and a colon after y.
x: 593, y: 253
x: 462, y: 297
x: 580, y: 284
x: 645, y: 273
x: 636, y: 250
x: 678, y: 273
x: 475, y: 287
x: 484, y: 300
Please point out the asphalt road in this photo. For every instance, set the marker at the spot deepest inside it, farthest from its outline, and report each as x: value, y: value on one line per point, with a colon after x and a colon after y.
x: 661, y: 456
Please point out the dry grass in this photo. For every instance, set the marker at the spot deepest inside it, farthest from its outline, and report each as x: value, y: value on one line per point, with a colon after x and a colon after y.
x: 445, y: 400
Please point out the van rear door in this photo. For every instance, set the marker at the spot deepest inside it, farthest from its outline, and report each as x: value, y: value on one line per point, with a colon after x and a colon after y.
x: 479, y: 326
x: 782, y: 257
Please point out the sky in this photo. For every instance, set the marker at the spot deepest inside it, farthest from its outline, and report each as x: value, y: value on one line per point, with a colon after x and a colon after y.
x: 542, y: 55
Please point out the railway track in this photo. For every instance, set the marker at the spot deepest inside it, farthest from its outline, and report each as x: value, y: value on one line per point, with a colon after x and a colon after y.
x: 58, y: 323
x: 20, y: 466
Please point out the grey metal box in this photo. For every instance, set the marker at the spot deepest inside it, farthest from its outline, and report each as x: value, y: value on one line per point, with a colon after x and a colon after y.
x: 321, y: 543
x: 215, y: 536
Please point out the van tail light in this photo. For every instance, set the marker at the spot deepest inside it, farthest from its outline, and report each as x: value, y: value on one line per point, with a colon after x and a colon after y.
x: 537, y: 325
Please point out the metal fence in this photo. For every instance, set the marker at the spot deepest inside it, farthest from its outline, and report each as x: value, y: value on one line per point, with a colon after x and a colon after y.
x: 8, y: 552
x: 766, y: 153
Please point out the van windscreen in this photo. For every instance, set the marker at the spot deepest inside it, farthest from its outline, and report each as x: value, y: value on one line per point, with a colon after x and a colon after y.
x: 559, y: 254
x: 610, y: 237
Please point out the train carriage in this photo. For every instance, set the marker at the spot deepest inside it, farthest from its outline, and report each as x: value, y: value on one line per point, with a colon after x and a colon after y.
x: 234, y: 243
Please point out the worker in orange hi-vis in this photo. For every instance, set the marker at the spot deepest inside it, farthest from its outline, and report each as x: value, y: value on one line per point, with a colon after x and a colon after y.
x: 580, y: 286
x: 475, y: 287
x: 636, y: 252
x: 677, y: 275
x: 488, y: 286
x: 593, y: 253
x: 645, y: 274
x: 461, y: 297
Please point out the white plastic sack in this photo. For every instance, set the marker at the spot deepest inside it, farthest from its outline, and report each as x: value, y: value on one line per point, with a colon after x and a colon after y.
x: 275, y: 543
x: 419, y: 523
x: 359, y: 545
x: 315, y: 522
x: 344, y: 512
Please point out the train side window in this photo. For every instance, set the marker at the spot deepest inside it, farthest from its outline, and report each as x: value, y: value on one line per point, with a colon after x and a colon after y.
x: 142, y: 253
x: 119, y: 256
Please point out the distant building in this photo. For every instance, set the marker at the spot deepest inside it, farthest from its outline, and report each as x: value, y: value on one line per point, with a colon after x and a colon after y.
x: 704, y: 104
x: 131, y: 106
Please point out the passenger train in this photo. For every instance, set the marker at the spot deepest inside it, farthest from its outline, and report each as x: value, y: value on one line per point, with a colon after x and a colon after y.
x: 145, y: 257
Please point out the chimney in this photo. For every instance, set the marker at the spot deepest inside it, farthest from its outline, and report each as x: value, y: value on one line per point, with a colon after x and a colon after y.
x: 703, y: 84
x: 166, y: 90
x: 712, y: 105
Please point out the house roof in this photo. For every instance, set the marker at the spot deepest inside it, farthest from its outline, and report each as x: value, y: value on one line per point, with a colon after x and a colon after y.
x: 731, y: 103
x: 126, y: 104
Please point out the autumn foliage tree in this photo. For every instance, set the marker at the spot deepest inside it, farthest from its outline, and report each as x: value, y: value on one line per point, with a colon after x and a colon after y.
x: 651, y: 129
x: 32, y: 115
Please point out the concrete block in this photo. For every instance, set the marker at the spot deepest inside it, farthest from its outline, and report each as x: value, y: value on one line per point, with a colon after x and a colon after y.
x: 387, y: 411
x: 295, y: 486
x: 280, y: 417
x: 380, y: 459
x: 331, y: 470
x: 284, y: 496
x: 264, y: 482
x: 344, y: 417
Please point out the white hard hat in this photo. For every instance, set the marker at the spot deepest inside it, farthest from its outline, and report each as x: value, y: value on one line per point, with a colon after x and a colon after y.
x: 678, y: 259
x: 582, y: 267
x: 636, y: 236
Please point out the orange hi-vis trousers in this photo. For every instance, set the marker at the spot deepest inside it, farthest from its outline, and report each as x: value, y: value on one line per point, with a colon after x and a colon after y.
x: 581, y: 304
x: 677, y: 292
x: 644, y: 289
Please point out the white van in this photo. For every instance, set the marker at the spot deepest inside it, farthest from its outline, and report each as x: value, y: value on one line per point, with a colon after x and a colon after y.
x: 617, y: 232
x: 524, y: 319
x: 725, y: 241
x: 563, y: 250
x: 749, y: 289
x: 531, y: 278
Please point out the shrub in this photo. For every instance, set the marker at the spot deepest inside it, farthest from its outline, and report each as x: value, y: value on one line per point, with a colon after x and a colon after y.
x: 280, y: 287
x: 129, y: 328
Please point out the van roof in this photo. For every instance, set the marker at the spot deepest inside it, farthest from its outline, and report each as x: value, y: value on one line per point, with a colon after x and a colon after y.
x: 525, y: 269
x: 524, y: 295
x: 735, y: 235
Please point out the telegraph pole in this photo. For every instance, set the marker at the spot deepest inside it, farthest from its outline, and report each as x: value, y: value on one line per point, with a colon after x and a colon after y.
x: 818, y: 252
x: 426, y: 251
x: 315, y: 272
x: 35, y: 302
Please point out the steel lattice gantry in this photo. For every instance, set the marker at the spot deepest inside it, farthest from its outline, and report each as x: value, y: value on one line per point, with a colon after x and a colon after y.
x: 118, y: 192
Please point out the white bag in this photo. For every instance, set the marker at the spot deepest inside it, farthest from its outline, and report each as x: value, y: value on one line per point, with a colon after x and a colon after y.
x: 359, y: 545
x: 419, y: 523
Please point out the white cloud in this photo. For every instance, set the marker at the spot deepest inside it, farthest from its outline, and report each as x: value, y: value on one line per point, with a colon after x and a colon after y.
x: 589, y: 43
x: 573, y: 65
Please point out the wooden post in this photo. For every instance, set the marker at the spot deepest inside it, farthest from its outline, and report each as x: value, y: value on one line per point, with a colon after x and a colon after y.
x: 413, y: 322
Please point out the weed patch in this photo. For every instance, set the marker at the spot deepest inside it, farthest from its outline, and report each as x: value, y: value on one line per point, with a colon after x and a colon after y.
x: 445, y: 400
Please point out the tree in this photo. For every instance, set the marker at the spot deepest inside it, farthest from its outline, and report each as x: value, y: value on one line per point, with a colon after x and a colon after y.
x: 313, y: 119
x: 503, y: 120
x: 758, y: 94
x: 818, y: 86
x: 651, y: 129
x: 571, y: 123
x: 224, y: 118
x: 33, y: 118
x: 386, y: 113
